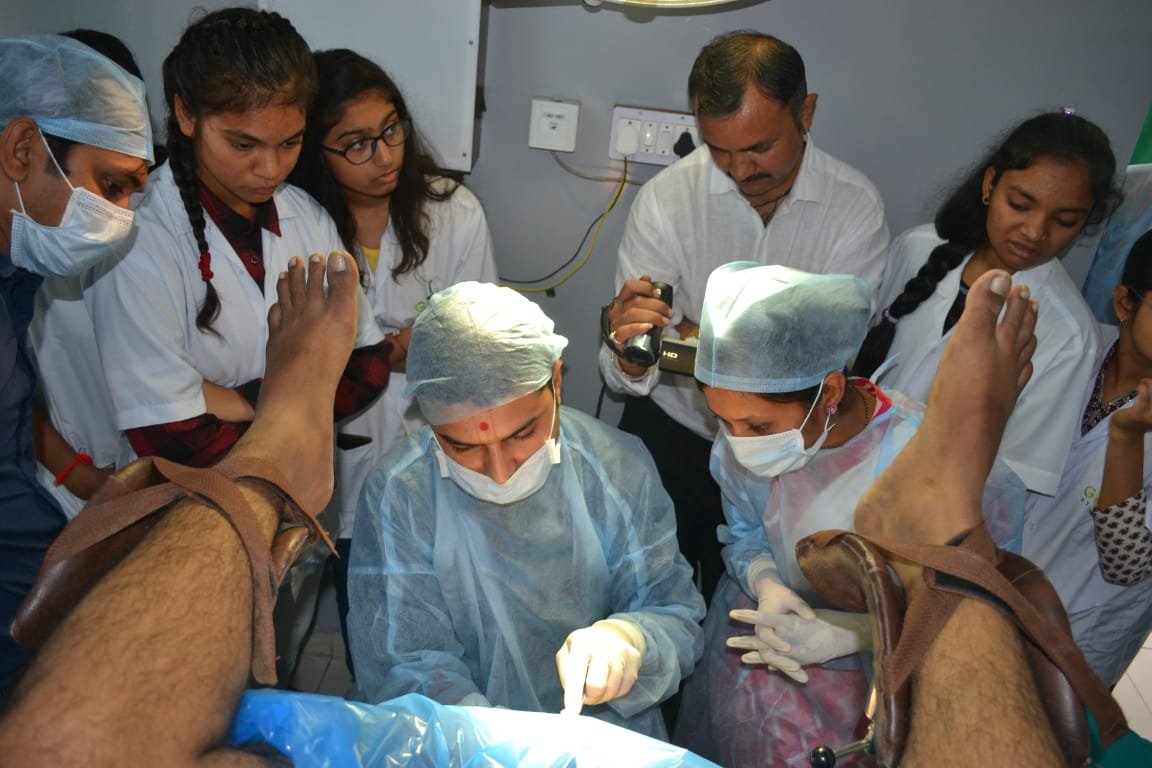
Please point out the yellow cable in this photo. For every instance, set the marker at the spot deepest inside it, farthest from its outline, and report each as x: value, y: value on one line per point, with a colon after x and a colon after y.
x: 591, y: 245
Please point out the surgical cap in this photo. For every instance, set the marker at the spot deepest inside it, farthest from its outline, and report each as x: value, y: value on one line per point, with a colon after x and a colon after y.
x: 478, y: 346
x: 73, y: 92
x: 776, y: 329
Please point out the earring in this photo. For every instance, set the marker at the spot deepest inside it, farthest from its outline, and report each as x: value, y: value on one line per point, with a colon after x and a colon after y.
x: 985, y: 199
x: 832, y: 409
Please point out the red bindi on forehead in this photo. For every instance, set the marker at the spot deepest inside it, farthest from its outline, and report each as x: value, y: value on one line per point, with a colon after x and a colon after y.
x: 483, y: 426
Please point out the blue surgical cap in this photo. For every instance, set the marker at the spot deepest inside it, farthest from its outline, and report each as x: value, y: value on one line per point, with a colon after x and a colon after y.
x: 478, y: 346
x: 776, y: 329
x: 73, y: 92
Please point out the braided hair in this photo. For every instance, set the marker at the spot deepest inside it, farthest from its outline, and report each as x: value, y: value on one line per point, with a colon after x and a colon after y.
x: 345, y: 77
x: 962, y: 220
x: 231, y: 60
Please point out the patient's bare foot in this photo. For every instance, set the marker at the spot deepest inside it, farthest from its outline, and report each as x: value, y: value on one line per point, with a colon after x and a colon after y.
x: 310, y: 336
x: 932, y: 491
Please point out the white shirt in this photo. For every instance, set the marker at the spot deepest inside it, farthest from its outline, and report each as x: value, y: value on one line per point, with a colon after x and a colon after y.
x: 1047, y: 414
x: 459, y: 248
x: 1109, y: 621
x: 63, y: 345
x: 155, y: 359
x: 691, y: 218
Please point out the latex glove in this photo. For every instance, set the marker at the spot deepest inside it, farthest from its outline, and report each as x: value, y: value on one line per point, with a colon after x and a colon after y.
x: 830, y: 635
x: 772, y: 599
x: 599, y: 663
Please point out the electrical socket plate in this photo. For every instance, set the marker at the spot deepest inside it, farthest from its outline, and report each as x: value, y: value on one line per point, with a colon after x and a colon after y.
x: 658, y: 132
x: 554, y: 124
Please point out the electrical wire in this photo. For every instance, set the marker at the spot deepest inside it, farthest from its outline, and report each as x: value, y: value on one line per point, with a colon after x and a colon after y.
x: 594, y: 228
x: 580, y: 175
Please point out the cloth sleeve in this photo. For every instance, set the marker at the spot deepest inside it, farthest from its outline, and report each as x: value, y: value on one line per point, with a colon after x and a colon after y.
x: 1123, y: 540
x: 862, y: 250
x: 743, y: 538
x: 645, y: 249
x: 139, y: 315
x: 652, y: 589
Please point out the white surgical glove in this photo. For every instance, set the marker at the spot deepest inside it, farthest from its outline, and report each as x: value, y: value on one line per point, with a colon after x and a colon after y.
x: 830, y: 635
x: 772, y: 599
x: 599, y: 663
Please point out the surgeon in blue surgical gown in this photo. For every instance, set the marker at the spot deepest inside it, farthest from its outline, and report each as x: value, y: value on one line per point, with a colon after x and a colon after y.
x: 516, y: 553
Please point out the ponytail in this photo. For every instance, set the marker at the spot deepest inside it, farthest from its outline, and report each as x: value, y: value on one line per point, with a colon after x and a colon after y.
x: 183, y: 165
x: 874, y: 351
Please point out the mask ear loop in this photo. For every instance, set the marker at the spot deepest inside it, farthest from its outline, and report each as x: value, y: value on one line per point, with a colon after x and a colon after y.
x: 55, y: 163
x: 553, y: 443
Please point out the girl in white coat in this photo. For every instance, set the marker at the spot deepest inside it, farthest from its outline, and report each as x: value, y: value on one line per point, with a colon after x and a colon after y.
x: 181, y: 321
x: 1019, y: 209
x: 414, y: 232
x: 1092, y: 538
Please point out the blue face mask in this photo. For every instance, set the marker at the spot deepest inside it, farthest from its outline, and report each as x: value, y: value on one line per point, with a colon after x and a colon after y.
x: 89, y: 231
x: 774, y: 455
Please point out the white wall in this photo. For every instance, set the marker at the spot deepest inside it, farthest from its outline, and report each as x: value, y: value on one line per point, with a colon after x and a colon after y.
x: 911, y: 91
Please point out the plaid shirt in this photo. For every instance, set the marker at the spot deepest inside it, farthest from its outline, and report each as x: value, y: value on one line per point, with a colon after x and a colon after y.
x: 203, y: 440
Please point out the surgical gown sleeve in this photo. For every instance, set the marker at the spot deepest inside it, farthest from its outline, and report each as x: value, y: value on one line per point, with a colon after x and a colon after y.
x: 652, y: 585
x: 400, y: 628
x: 743, y: 538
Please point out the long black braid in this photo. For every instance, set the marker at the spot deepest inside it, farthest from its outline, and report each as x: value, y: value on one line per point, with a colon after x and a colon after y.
x: 230, y: 61
x: 963, y: 218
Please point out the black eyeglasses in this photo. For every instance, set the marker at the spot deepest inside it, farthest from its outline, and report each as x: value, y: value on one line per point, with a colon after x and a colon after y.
x: 363, y: 150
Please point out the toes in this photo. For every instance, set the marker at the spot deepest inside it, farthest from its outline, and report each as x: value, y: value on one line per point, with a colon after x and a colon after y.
x: 275, y: 316
x: 990, y: 292
x: 317, y: 264
x: 343, y: 274
x: 283, y: 295
x: 297, y: 282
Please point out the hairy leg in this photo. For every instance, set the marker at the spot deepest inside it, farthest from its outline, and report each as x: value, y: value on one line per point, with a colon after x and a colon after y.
x: 148, y: 668
x: 974, y: 700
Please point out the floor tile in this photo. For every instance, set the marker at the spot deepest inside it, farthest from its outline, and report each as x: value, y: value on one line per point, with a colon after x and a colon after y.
x: 1140, y: 670
x: 1135, y: 709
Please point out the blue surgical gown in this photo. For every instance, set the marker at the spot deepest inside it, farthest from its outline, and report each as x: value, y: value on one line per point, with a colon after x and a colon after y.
x: 456, y: 598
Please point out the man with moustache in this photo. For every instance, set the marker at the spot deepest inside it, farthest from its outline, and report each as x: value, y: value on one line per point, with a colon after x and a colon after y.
x: 758, y: 189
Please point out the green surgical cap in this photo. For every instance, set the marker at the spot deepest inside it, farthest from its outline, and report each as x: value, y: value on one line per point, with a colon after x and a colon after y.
x: 476, y: 347
x: 776, y: 329
x: 73, y: 92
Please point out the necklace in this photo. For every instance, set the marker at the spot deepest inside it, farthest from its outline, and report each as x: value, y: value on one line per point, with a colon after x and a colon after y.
x: 866, y: 404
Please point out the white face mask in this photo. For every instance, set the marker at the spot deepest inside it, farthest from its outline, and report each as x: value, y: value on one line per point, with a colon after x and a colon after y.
x: 89, y: 231
x: 774, y: 455
x: 528, y: 478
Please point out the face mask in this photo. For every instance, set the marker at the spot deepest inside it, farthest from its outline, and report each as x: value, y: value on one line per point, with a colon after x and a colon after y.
x: 774, y: 455
x: 528, y: 478
x: 89, y: 231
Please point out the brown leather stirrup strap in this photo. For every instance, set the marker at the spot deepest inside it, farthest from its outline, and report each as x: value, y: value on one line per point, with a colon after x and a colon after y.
x: 967, y: 570
x: 120, y: 515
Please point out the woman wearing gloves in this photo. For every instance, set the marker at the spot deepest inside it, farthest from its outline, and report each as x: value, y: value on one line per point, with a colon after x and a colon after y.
x: 799, y: 443
x: 516, y: 553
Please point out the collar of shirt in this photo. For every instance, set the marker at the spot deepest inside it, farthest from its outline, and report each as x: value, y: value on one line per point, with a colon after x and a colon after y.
x: 233, y: 225
x: 806, y: 187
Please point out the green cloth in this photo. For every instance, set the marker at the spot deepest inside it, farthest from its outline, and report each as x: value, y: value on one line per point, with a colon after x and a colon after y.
x: 1126, y: 752
x: 1143, y: 151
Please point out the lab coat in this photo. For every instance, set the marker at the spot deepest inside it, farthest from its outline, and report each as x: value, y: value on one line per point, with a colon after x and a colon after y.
x: 1043, y: 425
x: 63, y: 344
x: 1109, y: 621
x: 463, y: 600
x: 154, y: 357
x: 459, y: 248
x: 740, y: 714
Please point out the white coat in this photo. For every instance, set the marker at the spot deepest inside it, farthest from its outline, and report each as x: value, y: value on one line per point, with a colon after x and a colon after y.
x: 63, y: 345
x: 1045, y: 420
x: 1109, y: 621
x: 459, y: 248
x: 155, y: 359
